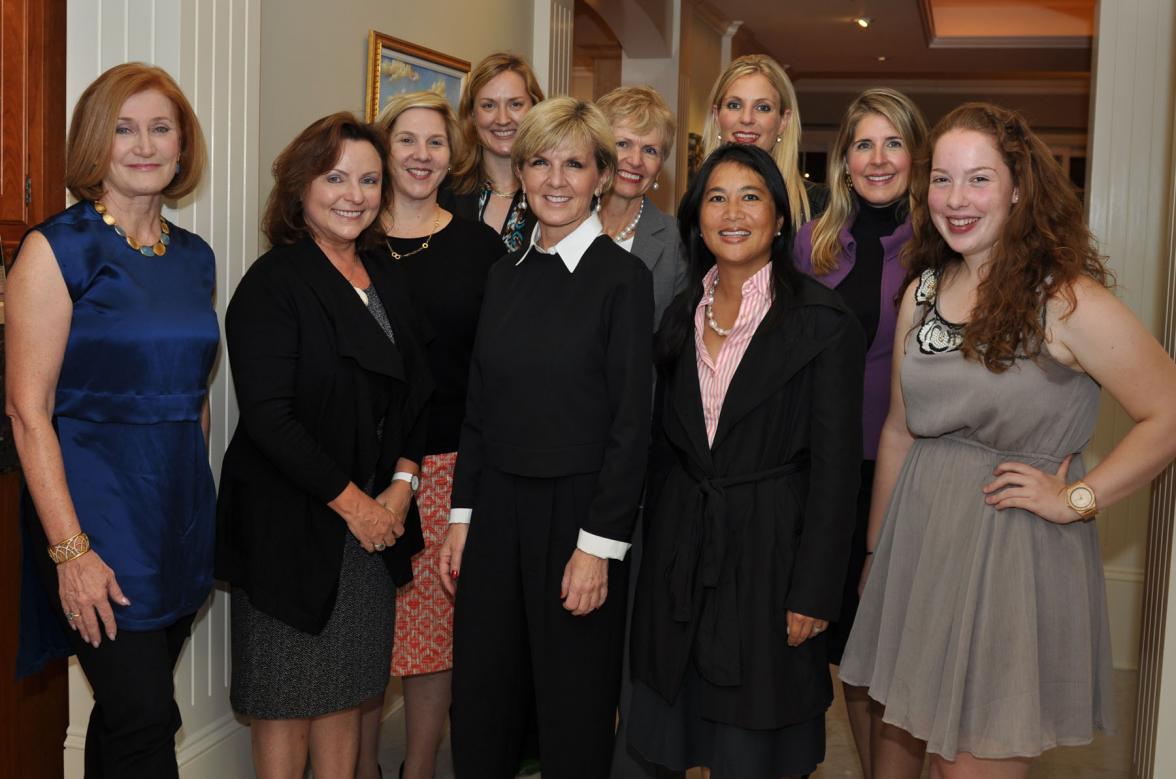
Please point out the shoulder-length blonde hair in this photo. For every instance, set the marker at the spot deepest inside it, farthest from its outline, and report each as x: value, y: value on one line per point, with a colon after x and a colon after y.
x: 467, y: 172
x: 785, y: 152
x: 643, y: 109
x: 560, y: 120
x: 1044, y: 246
x: 431, y: 100
x: 91, y: 131
x: 905, y: 116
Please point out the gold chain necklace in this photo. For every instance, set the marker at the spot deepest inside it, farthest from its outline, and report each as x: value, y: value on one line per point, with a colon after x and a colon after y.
x: 157, y: 250
x: 499, y: 193
x: 422, y: 247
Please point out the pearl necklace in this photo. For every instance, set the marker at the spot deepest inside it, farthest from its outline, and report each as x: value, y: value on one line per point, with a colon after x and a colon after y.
x: 158, y: 249
x: 422, y: 247
x: 710, y: 312
x: 624, y: 234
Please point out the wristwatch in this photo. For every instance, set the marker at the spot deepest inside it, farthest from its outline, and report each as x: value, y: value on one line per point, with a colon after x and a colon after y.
x: 412, y: 479
x: 1080, y: 497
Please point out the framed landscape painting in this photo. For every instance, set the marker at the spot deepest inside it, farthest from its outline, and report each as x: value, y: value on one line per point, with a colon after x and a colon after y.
x: 396, y: 66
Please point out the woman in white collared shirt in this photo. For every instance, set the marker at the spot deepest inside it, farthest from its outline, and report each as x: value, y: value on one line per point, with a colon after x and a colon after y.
x: 550, y: 467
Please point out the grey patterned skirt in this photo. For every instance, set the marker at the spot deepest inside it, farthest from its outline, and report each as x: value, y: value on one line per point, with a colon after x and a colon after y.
x: 279, y: 672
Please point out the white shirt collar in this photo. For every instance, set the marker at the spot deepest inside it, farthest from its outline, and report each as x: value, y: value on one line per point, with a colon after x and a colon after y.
x: 571, y: 249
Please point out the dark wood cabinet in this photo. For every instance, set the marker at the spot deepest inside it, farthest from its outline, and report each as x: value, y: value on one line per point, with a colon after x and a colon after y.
x: 34, y: 711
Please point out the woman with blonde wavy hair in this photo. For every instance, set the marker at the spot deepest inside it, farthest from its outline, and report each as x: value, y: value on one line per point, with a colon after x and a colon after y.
x: 753, y: 101
x: 498, y: 93
x: 983, y: 628
x: 854, y: 247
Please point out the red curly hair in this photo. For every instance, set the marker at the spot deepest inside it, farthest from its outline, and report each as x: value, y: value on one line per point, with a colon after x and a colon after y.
x: 1044, y: 247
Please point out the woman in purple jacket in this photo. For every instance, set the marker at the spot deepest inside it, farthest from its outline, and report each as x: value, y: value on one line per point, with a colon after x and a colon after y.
x: 854, y: 247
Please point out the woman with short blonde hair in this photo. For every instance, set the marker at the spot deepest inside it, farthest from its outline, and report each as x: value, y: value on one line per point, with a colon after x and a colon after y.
x: 753, y: 101
x: 549, y: 471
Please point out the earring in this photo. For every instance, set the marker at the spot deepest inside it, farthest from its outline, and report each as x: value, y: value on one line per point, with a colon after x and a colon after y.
x: 719, y: 137
x: 848, y: 178
x: 655, y: 185
x: 179, y: 168
x: 779, y: 138
x: 1016, y: 199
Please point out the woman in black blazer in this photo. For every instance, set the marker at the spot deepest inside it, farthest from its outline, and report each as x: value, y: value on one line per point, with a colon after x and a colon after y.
x: 751, y: 491
x: 314, y: 518
x: 549, y: 468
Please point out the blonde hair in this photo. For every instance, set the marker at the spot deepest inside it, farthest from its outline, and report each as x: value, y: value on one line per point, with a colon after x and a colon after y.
x: 785, y: 152
x: 644, y: 110
x: 430, y: 100
x: 905, y: 116
x: 561, y: 120
x: 467, y: 170
x: 91, y: 130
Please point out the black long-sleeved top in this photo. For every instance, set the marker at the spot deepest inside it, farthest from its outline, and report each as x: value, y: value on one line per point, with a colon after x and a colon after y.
x: 560, y: 381
x: 448, y: 280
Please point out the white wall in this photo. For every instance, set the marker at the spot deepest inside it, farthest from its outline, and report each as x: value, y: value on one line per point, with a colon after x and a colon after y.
x: 211, y: 47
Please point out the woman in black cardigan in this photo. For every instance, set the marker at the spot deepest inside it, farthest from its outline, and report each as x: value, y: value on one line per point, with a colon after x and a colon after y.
x: 750, y: 498
x: 314, y: 525
x: 549, y: 468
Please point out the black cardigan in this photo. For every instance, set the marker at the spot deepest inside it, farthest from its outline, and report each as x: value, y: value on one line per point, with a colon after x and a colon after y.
x: 560, y: 381
x: 315, y: 376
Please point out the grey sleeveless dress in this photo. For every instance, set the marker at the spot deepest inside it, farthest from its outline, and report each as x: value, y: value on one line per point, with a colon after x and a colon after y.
x: 983, y: 631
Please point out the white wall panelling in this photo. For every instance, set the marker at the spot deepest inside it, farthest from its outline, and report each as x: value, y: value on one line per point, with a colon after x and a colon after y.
x: 212, y: 48
x: 551, y: 50
x: 1131, y: 204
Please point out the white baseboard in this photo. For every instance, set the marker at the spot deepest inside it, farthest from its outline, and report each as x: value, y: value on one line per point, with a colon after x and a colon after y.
x: 1125, y: 609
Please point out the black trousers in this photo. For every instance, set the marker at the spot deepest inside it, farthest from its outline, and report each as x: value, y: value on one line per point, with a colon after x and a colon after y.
x: 132, y: 729
x: 514, y: 642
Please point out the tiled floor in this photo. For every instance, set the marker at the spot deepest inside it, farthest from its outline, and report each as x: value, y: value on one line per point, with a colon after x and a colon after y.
x: 1108, y: 757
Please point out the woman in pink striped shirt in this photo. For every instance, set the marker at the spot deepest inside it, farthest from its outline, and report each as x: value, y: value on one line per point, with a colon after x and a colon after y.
x: 751, y: 490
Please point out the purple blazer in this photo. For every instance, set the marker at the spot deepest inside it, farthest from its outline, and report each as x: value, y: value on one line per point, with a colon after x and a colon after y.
x: 876, y: 395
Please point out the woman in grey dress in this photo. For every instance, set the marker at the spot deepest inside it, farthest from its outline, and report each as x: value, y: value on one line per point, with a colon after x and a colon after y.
x: 983, y: 625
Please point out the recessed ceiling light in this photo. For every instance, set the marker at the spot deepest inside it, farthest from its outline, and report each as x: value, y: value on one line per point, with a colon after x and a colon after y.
x: 863, y: 21
x: 882, y: 58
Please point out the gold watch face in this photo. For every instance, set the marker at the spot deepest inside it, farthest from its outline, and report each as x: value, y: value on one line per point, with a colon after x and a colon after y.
x: 1081, y: 498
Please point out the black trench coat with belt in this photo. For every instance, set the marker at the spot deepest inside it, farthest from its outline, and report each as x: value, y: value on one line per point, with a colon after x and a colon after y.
x: 739, y: 533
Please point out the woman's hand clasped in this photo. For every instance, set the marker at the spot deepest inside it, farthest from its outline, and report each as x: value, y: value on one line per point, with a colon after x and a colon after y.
x: 86, y: 586
x: 1022, y: 486
x: 585, y: 583
x: 373, y: 525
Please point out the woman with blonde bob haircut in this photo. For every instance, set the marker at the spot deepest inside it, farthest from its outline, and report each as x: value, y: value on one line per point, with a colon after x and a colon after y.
x: 445, y: 259
x: 549, y: 471
x: 753, y: 101
x: 498, y: 93
x: 854, y: 247
x: 111, y: 337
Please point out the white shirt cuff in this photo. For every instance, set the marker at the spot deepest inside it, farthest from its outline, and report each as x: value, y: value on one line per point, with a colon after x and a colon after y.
x: 460, y: 516
x: 595, y: 545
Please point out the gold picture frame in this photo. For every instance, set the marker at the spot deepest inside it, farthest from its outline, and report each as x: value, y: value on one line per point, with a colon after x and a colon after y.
x: 396, y: 66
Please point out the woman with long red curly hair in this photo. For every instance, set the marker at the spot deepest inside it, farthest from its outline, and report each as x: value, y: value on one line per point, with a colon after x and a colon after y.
x: 983, y: 623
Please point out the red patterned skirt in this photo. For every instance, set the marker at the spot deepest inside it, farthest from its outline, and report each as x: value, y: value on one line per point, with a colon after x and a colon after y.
x: 424, y: 613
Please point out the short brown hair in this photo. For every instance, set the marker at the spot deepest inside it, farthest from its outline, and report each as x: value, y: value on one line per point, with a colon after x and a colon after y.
x: 431, y: 100
x: 91, y: 131
x: 314, y: 152
x: 467, y: 172
x: 559, y: 120
x: 643, y: 109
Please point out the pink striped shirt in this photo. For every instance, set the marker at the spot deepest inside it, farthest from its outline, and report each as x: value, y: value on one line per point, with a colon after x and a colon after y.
x: 714, y: 376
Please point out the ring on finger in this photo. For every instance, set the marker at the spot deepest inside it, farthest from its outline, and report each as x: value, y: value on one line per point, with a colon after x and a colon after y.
x: 380, y: 546
x: 70, y: 616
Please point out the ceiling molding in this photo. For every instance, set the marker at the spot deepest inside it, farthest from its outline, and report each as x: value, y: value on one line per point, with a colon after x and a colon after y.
x: 1014, y: 84
x: 713, y: 17
x: 936, y: 41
